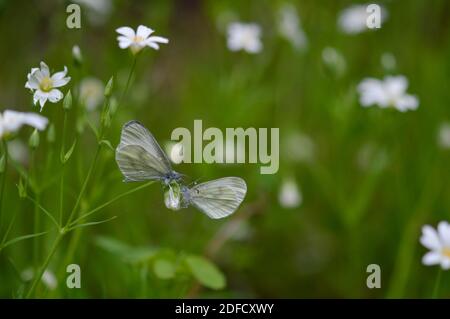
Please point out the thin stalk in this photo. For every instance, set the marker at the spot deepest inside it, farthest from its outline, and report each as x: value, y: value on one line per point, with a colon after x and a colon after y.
x: 127, y: 85
x: 2, y: 192
x: 61, y: 185
x: 44, y: 266
x: 437, y: 284
x: 84, y: 187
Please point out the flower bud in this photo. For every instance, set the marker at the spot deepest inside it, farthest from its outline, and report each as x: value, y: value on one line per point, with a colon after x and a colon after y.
x: 67, y: 103
x: 109, y: 87
x: 33, y: 141
x: 172, y: 197
x: 51, y: 134
x: 77, y: 56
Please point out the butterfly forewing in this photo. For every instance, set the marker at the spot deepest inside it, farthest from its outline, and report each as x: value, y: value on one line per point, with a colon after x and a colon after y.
x: 218, y: 198
x: 139, y: 155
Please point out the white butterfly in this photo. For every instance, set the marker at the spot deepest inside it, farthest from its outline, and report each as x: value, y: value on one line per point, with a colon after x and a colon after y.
x: 140, y: 158
x: 217, y: 198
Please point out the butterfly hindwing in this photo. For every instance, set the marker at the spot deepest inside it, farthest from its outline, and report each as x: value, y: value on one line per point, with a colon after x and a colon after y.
x: 218, y: 198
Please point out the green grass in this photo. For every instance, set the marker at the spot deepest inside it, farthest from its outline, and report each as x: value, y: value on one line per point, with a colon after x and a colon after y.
x: 350, y: 216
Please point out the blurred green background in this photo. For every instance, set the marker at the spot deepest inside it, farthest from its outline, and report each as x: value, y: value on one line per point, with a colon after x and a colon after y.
x: 367, y: 179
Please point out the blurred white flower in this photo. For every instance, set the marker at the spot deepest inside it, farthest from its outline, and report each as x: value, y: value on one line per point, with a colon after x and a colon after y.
x: 172, y: 197
x: 290, y: 195
x: 98, y: 10
x: 289, y: 26
x: 244, y: 36
x: 334, y: 61
x: 12, y: 121
x: 444, y: 136
x: 390, y: 92
x: 76, y: 54
x: 44, y: 85
x: 91, y: 92
x: 372, y: 157
x: 175, y: 151
x: 48, y: 278
x: 353, y: 19
x: 388, y: 61
x: 438, y: 242
x: 138, y: 40
x: 298, y: 147
x: 18, y: 151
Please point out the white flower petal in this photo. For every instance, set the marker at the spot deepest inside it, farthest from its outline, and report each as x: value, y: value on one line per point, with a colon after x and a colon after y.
x: 123, y: 44
x: 444, y: 233
x: 126, y: 31
x: 396, y: 85
x: 158, y: 39
x: 143, y: 31
x: 61, y: 82
x: 45, y: 70
x: 152, y: 45
x: 430, y: 238
x: 431, y: 258
x: 59, y: 75
x: 35, y: 120
x: 445, y: 263
x: 55, y: 95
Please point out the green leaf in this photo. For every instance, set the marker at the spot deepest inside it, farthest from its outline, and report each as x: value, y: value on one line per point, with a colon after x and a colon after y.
x: 92, y: 223
x: 125, y: 252
x: 112, y: 245
x: 20, y: 238
x: 206, y: 272
x: 164, y: 268
x: 21, y: 188
x: 67, y: 156
x: 2, y: 164
x: 109, y: 87
x: 108, y: 144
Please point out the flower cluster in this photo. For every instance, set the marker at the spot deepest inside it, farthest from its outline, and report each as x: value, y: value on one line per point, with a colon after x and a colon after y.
x: 390, y: 92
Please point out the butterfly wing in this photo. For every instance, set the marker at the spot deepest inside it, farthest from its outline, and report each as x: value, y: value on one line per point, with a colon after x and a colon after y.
x: 139, y: 155
x: 218, y: 198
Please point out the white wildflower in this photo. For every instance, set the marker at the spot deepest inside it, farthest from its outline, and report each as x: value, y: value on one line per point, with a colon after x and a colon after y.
x: 91, y: 92
x: 244, y: 36
x: 334, y: 61
x: 353, y: 19
x: 12, y: 121
x: 444, y: 136
x: 388, y: 61
x: 438, y: 242
x: 390, y: 92
x: 289, y: 26
x: 18, y: 151
x: 97, y: 10
x: 48, y: 278
x: 290, y: 195
x: 44, y: 85
x: 138, y: 40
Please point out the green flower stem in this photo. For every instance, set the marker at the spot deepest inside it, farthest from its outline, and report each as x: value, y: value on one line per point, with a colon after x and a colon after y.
x: 127, y: 85
x: 61, y: 185
x: 84, y: 187
x: 78, y: 200
x: 437, y: 284
x: 2, y: 192
x: 44, y: 266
